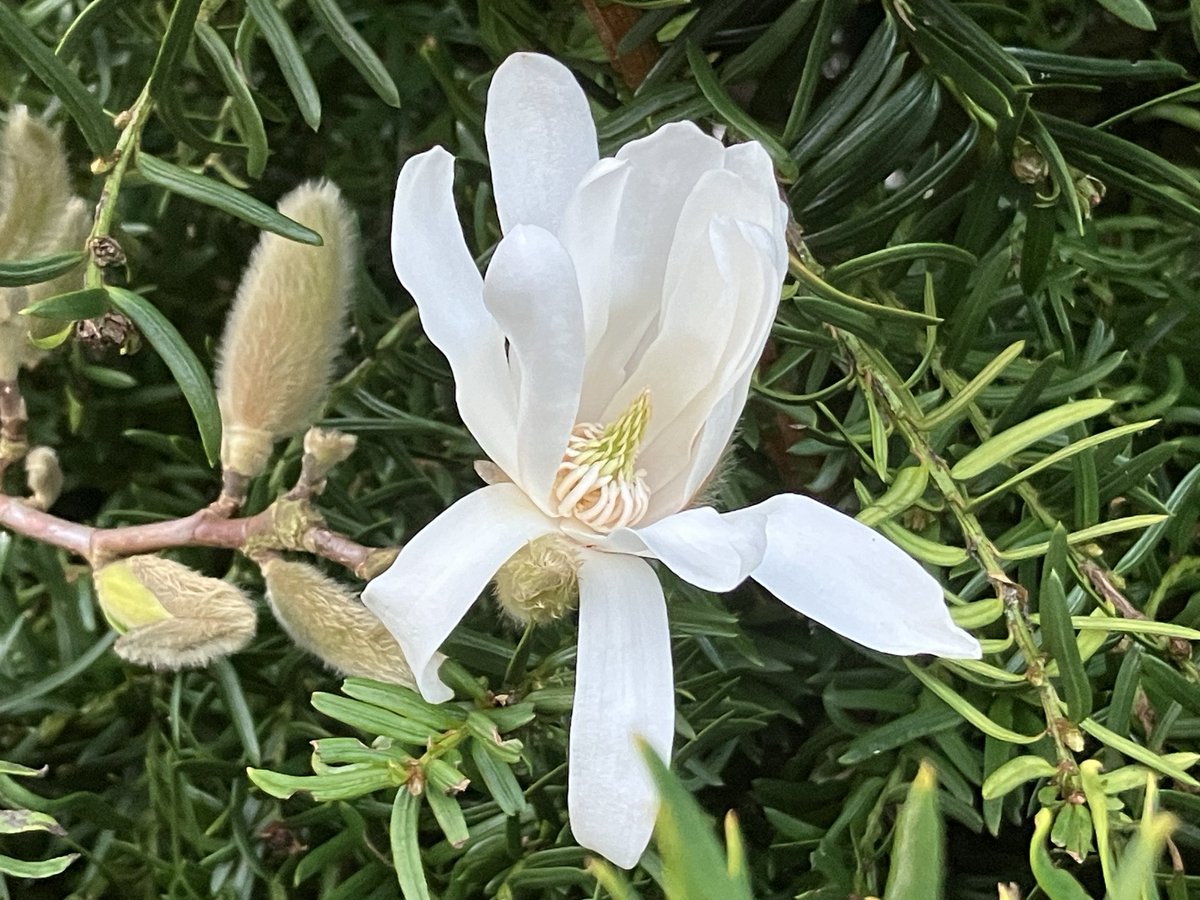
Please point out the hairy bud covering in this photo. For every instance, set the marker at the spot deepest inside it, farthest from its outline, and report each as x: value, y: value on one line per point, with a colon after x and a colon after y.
x: 169, y: 616
x: 38, y: 217
x: 34, y: 187
x: 285, y: 329
x: 540, y: 582
x: 327, y: 620
x: 44, y: 476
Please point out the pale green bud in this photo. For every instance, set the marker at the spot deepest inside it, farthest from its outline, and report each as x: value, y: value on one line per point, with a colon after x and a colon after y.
x: 285, y: 329
x: 325, y: 618
x: 169, y: 616
x: 540, y: 582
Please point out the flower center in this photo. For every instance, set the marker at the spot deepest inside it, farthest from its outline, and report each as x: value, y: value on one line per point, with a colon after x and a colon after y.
x: 597, y: 482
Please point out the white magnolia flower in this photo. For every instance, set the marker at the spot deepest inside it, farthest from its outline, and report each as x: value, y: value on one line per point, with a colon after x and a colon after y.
x: 602, y: 364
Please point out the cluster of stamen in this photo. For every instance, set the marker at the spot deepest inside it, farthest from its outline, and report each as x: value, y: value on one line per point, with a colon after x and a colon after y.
x: 597, y: 482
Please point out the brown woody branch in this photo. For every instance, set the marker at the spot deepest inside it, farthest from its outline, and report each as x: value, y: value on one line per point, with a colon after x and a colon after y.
x: 282, y: 526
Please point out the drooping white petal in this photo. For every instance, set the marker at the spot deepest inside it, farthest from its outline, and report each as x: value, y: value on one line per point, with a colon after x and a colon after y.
x: 532, y: 291
x: 624, y: 687
x: 663, y: 169
x: 851, y: 579
x: 541, y: 140
x: 441, y: 571
x: 712, y: 551
x: 435, y: 266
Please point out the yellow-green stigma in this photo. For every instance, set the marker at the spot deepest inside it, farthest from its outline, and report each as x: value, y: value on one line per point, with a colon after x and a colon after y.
x: 598, y: 482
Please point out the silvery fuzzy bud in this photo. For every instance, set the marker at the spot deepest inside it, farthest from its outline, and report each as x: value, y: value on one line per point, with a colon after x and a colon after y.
x: 44, y: 476
x: 540, y: 582
x: 34, y: 187
x: 38, y: 216
x: 169, y: 616
x: 285, y: 329
x: 326, y: 619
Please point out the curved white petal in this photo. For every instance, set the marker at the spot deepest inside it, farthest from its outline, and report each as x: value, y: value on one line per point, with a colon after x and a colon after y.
x: 435, y: 266
x: 441, y: 571
x: 532, y: 291
x: 624, y: 687
x: 589, y: 233
x: 855, y: 581
x: 732, y: 284
x: 712, y: 551
x: 751, y: 161
x: 541, y: 140
x: 663, y: 170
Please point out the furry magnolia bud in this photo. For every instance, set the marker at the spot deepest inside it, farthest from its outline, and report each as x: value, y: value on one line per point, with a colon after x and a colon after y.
x: 169, y: 616
x: 285, y: 329
x: 327, y: 620
x: 38, y: 216
x: 540, y: 582
x: 44, y: 476
x: 34, y: 187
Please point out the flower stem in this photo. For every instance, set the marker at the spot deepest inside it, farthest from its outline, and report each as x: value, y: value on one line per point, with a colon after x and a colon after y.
x: 115, y: 168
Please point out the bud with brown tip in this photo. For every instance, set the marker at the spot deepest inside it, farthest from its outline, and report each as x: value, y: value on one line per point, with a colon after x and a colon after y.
x: 327, y: 620
x: 285, y: 329
x: 169, y: 616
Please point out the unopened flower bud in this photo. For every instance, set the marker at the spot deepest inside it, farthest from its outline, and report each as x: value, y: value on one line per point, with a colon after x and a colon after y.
x: 285, y: 329
x: 540, y: 582
x: 34, y: 186
x: 169, y: 616
x: 324, y: 448
x: 1090, y: 191
x: 326, y: 619
x: 44, y: 477
x: 329, y: 447
x: 1029, y: 166
x: 38, y: 217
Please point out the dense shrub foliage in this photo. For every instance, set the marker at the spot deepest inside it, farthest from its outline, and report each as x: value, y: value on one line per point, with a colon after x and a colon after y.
x: 986, y: 350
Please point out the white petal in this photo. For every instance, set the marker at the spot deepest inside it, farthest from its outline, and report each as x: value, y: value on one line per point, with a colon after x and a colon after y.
x: 624, y: 687
x: 712, y: 551
x: 711, y: 444
x: 589, y: 232
x: 753, y: 163
x: 541, y: 140
x: 441, y: 571
x: 853, y: 580
x: 663, y: 169
x: 701, y: 353
x: 434, y: 265
x: 532, y: 291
